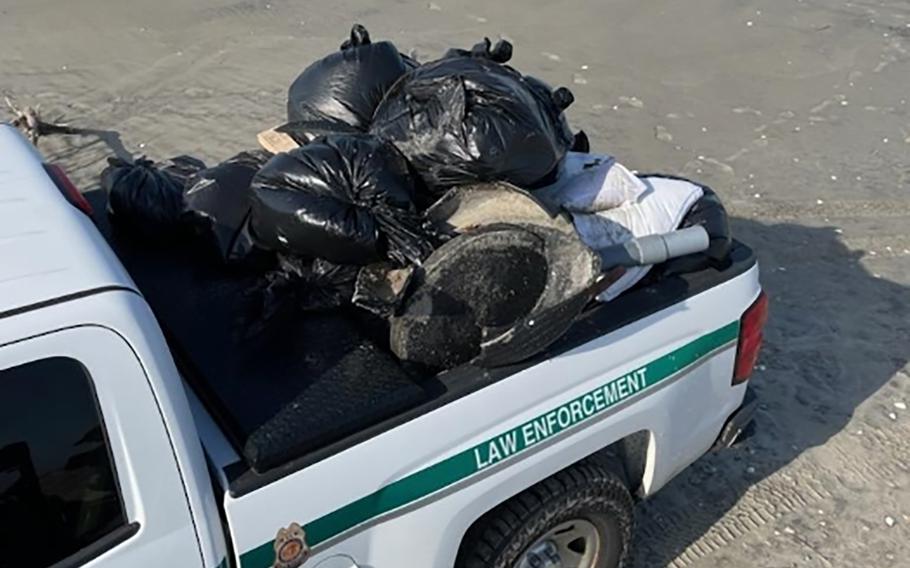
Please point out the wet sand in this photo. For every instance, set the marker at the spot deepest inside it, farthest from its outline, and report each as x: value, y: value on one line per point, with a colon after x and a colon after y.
x: 795, y: 111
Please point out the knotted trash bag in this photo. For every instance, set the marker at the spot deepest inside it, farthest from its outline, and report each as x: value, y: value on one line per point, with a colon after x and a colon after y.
x: 145, y: 199
x: 347, y: 85
x: 217, y: 204
x: 468, y: 118
x: 344, y: 198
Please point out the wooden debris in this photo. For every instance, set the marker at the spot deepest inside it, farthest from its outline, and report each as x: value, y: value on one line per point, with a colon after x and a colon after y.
x: 28, y: 120
x: 276, y: 142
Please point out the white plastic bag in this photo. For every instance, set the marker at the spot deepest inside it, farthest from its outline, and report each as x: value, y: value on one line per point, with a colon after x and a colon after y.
x: 659, y: 209
x: 589, y: 183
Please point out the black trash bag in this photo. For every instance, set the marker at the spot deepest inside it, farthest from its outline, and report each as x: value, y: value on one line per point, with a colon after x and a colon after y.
x: 216, y: 202
x: 345, y: 198
x: 294, y: 286
x: 145, y: 199
x: 464, y: 120
x: 308, y: 285
x: 347, y: 85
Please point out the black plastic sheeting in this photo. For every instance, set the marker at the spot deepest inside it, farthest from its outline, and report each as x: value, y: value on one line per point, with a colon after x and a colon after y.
x: 346, y: 86
x: 468, y: 118
x: 346, y: 198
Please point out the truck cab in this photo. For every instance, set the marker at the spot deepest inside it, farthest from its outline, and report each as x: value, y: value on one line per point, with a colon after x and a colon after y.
x: 98, y: 450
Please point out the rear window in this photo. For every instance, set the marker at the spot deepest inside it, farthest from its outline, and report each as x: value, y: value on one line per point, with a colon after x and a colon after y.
x: 58, y: 489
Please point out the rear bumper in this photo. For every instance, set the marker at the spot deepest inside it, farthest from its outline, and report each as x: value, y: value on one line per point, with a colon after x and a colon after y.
x: 738, y: 421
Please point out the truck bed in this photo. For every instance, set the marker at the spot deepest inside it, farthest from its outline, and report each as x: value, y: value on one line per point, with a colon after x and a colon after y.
x: 309, y: 386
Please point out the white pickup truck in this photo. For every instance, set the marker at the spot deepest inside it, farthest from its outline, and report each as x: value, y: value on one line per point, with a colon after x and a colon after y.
x: 122, y: 445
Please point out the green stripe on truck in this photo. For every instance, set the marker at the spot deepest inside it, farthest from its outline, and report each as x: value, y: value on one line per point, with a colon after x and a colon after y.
x: 469, y: 462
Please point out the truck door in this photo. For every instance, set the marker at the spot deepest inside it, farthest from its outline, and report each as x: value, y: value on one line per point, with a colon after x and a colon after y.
x: 87, y: 473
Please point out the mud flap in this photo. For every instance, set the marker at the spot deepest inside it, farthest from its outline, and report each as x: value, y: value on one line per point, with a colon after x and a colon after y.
x: 738, y: 423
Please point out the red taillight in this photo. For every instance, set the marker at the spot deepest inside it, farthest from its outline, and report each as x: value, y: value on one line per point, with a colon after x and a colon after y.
x: 66, y: 187
x: 750, y: 337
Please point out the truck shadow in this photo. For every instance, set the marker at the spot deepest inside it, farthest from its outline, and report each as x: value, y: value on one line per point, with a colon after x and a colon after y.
x: 836, y: 335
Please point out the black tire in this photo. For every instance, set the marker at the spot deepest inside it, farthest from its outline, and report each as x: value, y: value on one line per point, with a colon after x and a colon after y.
x: 586, y: 490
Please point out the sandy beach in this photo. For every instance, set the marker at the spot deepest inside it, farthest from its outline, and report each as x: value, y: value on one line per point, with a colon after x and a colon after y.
x: 797, y: 112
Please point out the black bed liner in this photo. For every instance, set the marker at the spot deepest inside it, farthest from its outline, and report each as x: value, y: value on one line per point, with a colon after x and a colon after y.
x: 300, y: 391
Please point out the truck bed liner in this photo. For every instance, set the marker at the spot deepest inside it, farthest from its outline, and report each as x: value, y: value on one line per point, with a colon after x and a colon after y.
x: 285, y: 389
x: 303, y: 390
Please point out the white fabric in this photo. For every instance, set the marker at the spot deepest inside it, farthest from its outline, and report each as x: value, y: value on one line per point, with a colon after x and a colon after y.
x: 659, y: 209
x: 588, y: 183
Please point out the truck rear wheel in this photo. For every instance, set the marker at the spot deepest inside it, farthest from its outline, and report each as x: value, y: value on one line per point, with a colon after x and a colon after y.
x: 580, y: 517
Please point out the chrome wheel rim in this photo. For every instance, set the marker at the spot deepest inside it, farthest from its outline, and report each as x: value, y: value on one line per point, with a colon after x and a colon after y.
x: 572, y: 544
